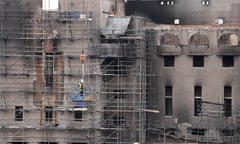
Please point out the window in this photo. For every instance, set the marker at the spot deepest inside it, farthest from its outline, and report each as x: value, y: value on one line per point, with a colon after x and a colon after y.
x: 168, y: 61
x: 78, y: 115
x: 197, y: 100
x: 48, y: 113
x: 198, y: 61
x: 198, y: 131
x: 119, y: 121
x: 119, y: 94
x: 228, y: 132
x: 168, y: 101
x: 49, y: 5
x: 228, y: 61
x: 49, y: 70
x: 47, y: 142
x: 227, y: 101
x: 18, y: 113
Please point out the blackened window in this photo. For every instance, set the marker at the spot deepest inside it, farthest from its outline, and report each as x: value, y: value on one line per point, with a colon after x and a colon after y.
x: 48, y: 113
x: 227, y: 101
x: 198, y: 61
x: 169, y: 61
x: 18, y: 113
x: 78, y: 115
x: 197, y: 100
x: 228, y: 61
x: 168, y: 101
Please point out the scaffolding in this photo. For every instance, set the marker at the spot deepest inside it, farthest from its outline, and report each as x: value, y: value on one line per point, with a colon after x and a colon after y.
x: 41, y: 70
x: 64, y: 81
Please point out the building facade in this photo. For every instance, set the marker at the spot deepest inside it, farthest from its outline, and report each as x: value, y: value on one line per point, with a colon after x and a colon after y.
x: 118, y: 71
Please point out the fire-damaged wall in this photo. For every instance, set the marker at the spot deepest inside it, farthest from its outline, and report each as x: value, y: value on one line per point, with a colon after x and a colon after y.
x: 197, y: 82
x: 187, y: 11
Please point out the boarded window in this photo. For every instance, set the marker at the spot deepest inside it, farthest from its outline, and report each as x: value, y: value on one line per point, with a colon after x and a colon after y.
x: 198, y: 61
x: 18, y: 113
x: 227, y: 61
x: 169, y: 61
x: 168, y: 101
x: 227, y: 101
x: 199, y: 39
x: 228, y: 40
x: 50, y: 5
x: 170, y: 39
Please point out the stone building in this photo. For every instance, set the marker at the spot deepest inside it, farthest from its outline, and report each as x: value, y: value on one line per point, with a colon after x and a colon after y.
x: 119, y: 71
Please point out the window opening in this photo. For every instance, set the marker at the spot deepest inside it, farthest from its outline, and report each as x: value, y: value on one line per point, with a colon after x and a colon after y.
x: 18, y: 113
x: 198, y: 61
x: 119, y: 120
x: 227, y: 101
x: 169, y: 61
x: 198, y: 131
x: 197, y: 100
x: 78, y: 115
x: 168, y: 101
x: 228, y: 61
x: 49, y: 63
x: 228, y: 132
x: 48, y: 113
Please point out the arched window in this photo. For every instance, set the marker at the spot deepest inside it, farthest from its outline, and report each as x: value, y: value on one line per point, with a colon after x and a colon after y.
x: 199, y: 39
x: 228, y: 39
x: 169, y: 39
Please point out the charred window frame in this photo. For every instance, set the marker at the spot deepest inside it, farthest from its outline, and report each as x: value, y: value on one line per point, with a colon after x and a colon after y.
x: 227, y: 101
x: 49, y: 65
x: 227, y: 61
x: 78, y: 115
x: 197, y: 100
x: 168, y: 101
x: 48, y: 113
x: 198, y: 61
x: 18, y: 113
x: 169, y: 61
